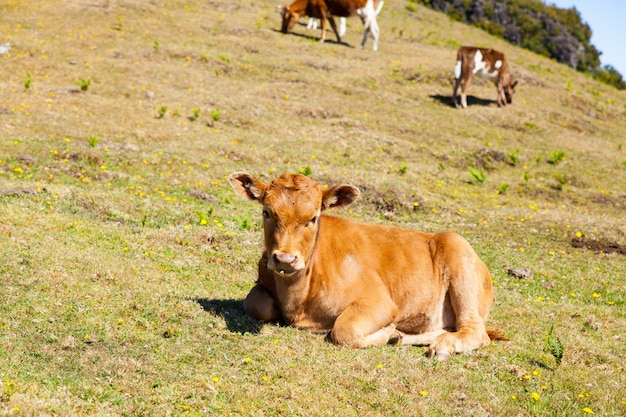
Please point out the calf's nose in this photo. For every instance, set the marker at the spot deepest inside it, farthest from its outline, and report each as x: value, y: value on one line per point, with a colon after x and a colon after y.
x: 284, y: 258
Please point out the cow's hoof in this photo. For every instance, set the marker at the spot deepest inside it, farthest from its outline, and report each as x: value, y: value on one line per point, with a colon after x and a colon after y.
x: 440, y: 355
x: 443, y: 355
x: 395, y: 339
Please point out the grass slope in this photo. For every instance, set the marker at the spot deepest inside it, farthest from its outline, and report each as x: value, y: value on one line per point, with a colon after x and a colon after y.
x: 124, y: 256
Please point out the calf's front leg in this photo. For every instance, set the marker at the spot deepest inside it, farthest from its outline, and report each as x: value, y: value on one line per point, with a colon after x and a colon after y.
x: 365, y: 323
x: 501, y: 96
x: 465, y: 82
x: 260, y: 304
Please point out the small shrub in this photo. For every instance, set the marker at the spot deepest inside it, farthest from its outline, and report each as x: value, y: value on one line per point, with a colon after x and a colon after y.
x: 593, y: 92
x: 531, y: 127
x: 203, y: 219
x: 84, y: 84
x: 244, y: 222
x: 478, y: 175
x: 28, y: 80
x: 306, y: 171
x: 8, y: 389
x: 156, y: 45
x: 195, y: 115
x: 93, y: 141
x: 225, y: 58
x: 554, y: 346
x: 162, y: 110
x: 119, y: 25
x: 403, y: 168
x: 556, y: 157
x: 513, y: 159
x: 561, y: 181
x: 503, y: 188
x: 215, y: 115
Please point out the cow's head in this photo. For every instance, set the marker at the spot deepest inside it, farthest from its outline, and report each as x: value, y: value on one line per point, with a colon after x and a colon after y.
x: 290, y: 17
x: 509, y: 90
x: 292, y: 205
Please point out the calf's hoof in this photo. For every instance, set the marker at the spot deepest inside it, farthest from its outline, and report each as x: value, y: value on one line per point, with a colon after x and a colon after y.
x: 440, y: 355
x: 395, y: 339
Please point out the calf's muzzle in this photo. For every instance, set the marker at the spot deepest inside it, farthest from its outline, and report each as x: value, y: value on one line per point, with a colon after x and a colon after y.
x: 284, y: 263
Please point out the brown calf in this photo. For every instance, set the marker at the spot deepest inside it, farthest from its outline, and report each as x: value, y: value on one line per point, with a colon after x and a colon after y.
x: 326, y: 9
x: 485, y: 63
x: 366, y: 284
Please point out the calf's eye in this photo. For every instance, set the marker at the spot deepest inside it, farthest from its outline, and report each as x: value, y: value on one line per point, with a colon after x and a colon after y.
x: 312, y: 221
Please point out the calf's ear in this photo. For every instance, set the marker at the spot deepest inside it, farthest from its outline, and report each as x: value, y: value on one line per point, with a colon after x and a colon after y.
x: 513, y: 84
x: 339, y: 196
x: 247, y: 186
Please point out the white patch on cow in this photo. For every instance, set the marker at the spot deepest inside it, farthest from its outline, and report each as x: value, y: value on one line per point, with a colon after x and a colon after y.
x: 480, y: 67
x: 498, y: 64
x: 486, y: 74
x: 368, y: 11
x: 370, y: 25
x: 457, y: 70
x: 350, y: 269
x: 479, y: 64
x: 349, y: 273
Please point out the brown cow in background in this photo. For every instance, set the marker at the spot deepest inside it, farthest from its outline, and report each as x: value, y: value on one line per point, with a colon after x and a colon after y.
x: 326, y: 9
x: 486, y: 63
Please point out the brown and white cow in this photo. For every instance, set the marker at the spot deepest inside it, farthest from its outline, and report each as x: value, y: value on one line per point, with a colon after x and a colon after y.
x: 326, y: 9
x: 486, y: 63
x: 365, y: 284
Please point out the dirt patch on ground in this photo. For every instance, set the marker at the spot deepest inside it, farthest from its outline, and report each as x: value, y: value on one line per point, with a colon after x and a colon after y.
x: 598, y: 246
x: 17, y: 192
x: 485, y: 158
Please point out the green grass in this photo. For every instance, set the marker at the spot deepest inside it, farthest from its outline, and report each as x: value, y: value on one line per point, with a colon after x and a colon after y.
x: 125, y: 256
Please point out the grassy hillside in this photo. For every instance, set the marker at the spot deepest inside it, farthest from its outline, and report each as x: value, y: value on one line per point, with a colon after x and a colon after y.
x: 124, y: 256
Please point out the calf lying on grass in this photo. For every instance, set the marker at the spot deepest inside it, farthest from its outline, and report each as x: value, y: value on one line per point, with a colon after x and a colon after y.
x: 365, y: 284
x: 326, y: 9
x: 485, y: 63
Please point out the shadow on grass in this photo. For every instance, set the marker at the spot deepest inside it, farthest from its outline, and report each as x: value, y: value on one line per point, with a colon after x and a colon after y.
x: 471, y: 100
x: 316, y: 38
x: 232, y: 311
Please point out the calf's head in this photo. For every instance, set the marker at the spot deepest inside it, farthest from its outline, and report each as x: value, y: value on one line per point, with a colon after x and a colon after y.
x: 292, y: 205
x: 289, y: 16
x: 509, y: 89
